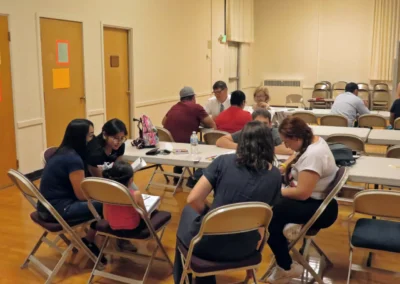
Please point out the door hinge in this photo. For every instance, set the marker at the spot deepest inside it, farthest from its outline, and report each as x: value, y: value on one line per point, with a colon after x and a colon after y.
x: 9, y: 36
x: 17, y: 164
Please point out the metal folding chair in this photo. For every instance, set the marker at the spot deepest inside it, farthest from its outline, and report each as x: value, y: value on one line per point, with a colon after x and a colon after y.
x: 211, y: 137
x: 226, y: 220
x: 334, y: 120
x: 374, y: 235
x: 307, y: 232
x: 111, y: 192
x: 47, y: 154
x: 60, y: 229
x: 308, y: 117
x: 371, y: 121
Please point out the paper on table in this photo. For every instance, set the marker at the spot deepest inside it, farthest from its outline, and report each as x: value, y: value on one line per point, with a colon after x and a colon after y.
x: 138, y: 164
x: 169, y: 147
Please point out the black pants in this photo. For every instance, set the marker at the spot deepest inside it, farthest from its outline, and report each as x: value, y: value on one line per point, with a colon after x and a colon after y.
x: 298, y: 212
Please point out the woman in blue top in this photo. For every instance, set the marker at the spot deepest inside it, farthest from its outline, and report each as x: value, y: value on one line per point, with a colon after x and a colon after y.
x: 62, y: 177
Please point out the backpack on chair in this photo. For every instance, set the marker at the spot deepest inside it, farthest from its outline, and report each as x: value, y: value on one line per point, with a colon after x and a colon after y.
x: 147, y: 133
x: 343, y: 155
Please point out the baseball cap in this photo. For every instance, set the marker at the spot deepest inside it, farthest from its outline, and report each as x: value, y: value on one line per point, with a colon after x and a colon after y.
x: 186, y: 92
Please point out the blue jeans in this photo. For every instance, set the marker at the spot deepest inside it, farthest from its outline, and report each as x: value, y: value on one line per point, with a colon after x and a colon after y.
x: 79, y: 210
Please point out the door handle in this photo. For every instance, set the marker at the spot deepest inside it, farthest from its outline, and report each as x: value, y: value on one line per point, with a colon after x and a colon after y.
x: 128, y: 93
x: 83, y: 98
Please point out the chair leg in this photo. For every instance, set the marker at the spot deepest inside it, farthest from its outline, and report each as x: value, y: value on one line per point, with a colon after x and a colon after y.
x: 271, y: 265
x: 151, y: 179
x: 162, y: 169
x: 306, y: 265
x: 158, y: 240
x: 59, y: 264
x: 34, y: 250
x: 253, y: 273
x: 98, y: 259
x: 350, y: 265
x: 184, y: 277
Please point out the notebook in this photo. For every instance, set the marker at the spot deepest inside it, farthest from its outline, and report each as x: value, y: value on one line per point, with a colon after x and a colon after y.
x: 152, y: 202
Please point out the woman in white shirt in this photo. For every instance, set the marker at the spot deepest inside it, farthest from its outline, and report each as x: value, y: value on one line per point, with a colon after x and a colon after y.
x: 309, y: 172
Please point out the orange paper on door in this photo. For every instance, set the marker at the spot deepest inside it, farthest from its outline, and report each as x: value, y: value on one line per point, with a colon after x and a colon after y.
x: 61, y: 78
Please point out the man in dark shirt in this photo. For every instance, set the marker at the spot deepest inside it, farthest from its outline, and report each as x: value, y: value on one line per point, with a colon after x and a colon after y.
x: 186, y: 116
x: 263, y: 115
x: 394, y: 112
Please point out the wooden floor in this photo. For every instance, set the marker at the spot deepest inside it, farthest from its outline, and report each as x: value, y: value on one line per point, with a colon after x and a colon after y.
x: 18, y: 235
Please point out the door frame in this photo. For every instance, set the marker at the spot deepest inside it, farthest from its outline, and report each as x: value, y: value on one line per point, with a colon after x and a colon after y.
x: 63, y: 17
x: 129, y: 29
x: 12, y: 70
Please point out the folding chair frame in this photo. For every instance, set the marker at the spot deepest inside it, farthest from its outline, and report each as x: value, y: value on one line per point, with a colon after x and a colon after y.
x: 366, y: 266
x: 302, y: 235
x: 160, y: 170
x: 186, y: 261
x: 108, y: 237
x: 31, y: 193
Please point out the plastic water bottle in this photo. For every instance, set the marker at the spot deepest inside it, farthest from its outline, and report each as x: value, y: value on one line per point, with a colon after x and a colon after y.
x: 194, y: 142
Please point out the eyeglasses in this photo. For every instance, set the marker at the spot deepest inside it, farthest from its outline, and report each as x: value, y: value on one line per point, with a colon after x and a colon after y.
x: 217, y: 92
x: 119, y: 140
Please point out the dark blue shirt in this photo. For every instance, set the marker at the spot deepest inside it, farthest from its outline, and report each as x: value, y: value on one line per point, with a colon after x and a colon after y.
x: 396, y: 108
x: 55, y: 184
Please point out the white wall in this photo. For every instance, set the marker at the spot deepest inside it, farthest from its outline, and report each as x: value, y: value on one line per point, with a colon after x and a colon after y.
x: 313, y: 40
x: 170, y: 50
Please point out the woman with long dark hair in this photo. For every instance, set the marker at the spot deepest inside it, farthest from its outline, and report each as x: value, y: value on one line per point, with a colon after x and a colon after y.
x: 245, y: 176
x: 308, y: 174
x: 107, y: 147
x: 62, y: 177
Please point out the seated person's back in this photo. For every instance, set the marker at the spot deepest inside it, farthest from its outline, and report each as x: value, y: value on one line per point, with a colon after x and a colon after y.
x: 123, y: 217
x: 186, y: 116
x: 234, y: 118
x: 394, y: 111
x: 349, y: 104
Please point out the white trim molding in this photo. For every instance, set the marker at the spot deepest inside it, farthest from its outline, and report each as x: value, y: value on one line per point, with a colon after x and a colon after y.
x: 95, y: 112
x: 165, y: 100
x: 30, y: 122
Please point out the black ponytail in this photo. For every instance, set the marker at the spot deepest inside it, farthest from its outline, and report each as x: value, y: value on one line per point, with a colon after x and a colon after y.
x: 120, y: 172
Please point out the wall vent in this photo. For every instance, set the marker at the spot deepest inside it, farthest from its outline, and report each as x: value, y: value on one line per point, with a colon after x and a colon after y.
x: 282, y: 83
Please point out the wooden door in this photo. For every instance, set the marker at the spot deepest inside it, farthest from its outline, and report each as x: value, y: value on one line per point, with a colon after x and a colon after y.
x: 116, y: 70
x: 7, y: 140
x: 63, y: 75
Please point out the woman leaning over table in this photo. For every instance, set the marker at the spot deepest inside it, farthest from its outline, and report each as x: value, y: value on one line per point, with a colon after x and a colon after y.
x: 309, y: 173
x: 245, y: 176
x: 261, y: 98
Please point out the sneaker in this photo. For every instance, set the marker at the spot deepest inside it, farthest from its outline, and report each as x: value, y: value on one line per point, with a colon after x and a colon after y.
x: 281, y: 276
x: 292, y: 231
x: 125, y: 245
x: 94, y: 249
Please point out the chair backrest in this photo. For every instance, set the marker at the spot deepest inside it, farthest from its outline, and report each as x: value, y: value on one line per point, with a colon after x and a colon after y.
x: 321, y: 86
x: 211, y: 137
x: 333, y: 188
x: 164, y: 135
x: 341, y: 85
x: 294, y: 99
x: 396, y: 123
x: 363, y: 86
x: 380, y: 203
x: 25, y: 186
x: 393, y: 152
x: 371, y: 120
x: 328, y: 84
x: 334, y: 120
x: 351, y: 141
x: 336, y: 93
x: 364, y: 95
x: 28, y: 189
x: 47, y: 154
x: 381, y: 87
x: 320, y: 94
x: 108, y: 192
x: 381, y: 96
x: 308, y: 117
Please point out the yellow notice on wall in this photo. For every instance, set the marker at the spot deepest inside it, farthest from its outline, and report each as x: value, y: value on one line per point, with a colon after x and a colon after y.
x: 61, y: 78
